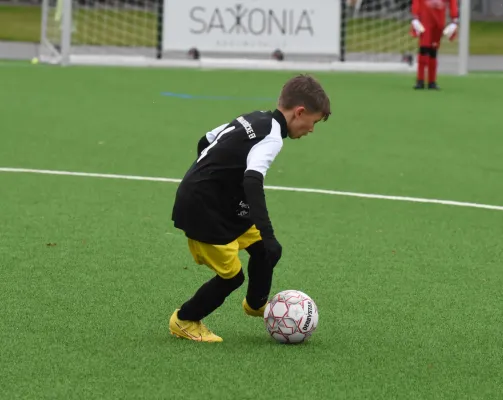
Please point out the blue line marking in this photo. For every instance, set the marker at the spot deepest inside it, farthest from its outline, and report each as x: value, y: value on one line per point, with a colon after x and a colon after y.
x: 206, y: 97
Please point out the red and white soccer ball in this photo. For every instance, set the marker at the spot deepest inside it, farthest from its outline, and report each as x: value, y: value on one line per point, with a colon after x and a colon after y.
x: 291, y: 316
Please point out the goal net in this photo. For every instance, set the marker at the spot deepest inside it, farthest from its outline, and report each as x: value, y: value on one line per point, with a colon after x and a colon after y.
x: 353, y: 35
x: 99, y: 31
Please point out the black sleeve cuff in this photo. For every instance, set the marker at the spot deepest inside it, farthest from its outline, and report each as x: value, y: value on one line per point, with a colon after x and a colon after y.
x: 254, y: 190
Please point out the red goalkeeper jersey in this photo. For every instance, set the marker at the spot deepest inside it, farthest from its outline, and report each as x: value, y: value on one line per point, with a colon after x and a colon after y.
x: 433, y: 12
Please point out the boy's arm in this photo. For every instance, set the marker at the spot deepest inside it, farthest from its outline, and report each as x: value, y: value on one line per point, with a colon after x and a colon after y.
x: 415, y: 9
x: 254, y: 189
x: 417, y: 28
x: 253, y: 183
x: 454, y: 11
x: 451, y: 29
x: 259, y: 160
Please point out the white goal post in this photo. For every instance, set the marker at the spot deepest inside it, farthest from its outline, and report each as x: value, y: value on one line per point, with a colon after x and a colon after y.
x: 323, y: 35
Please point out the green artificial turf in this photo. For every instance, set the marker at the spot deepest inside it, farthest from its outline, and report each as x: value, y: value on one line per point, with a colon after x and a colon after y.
x: 409, y: 294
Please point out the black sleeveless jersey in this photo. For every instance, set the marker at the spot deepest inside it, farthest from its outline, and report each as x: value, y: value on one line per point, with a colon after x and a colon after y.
x: 210, y: 204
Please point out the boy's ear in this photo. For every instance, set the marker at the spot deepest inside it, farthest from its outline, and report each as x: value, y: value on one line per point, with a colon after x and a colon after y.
x: 299, y: 111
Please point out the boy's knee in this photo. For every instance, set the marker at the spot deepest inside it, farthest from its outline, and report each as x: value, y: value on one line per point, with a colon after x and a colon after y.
x: 257, y: 251
x: 236, y: 281
x: 424, y: 50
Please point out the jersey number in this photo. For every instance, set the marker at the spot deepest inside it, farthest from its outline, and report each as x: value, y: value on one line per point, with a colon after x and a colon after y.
x: 205, y: 151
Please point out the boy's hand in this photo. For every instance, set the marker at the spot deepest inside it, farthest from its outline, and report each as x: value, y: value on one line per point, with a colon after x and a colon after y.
x: 417, y: 27
x: 451, y: 30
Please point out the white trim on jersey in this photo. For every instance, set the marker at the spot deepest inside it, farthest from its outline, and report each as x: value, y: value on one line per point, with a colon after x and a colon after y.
x: 215, y: 142
x: 211, y: 135
x: 264, y: 152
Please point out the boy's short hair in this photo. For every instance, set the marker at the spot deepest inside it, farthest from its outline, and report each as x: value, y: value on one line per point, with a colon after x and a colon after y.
x: 304, y: 90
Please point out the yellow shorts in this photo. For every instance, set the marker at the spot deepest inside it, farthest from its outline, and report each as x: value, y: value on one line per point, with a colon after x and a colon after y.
x: 224, y: 259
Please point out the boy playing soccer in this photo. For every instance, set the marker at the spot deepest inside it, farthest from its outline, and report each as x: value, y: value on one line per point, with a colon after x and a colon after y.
x: 220, y: 203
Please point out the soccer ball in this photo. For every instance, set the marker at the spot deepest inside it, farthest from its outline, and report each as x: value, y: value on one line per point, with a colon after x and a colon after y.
x: 291, y: 316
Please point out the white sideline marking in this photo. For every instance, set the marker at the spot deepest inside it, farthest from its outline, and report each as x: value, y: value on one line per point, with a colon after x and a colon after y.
x: 290, y: 189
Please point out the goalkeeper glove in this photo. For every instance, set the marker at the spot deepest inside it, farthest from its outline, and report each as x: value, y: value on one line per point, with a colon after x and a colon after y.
x: 451, y: 30
x: 417, y: 27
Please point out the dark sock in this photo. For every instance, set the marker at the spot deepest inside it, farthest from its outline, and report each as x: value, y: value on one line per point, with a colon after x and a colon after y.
x: 423, y: 60
x: 432, y: 66
x: 259, y: 277
x: 209, y: 297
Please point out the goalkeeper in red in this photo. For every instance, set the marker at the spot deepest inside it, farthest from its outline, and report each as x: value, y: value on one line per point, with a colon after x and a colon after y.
x: 429, y: 24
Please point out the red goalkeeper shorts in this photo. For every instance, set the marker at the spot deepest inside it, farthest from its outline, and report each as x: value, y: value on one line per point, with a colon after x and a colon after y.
x: 432, y: 35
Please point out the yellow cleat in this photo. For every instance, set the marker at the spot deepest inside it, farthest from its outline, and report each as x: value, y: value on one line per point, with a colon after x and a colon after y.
x: 251, y: 311
x: 191, y: 330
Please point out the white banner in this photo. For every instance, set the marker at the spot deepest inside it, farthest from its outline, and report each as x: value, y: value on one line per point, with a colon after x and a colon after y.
x: 252, y: 26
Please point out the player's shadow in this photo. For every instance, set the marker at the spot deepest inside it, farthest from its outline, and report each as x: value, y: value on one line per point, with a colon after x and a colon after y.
x: 236, y: 343
x: 267, y: 341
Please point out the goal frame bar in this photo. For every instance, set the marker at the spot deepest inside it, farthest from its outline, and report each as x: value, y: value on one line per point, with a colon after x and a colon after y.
x: 63, y: 55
